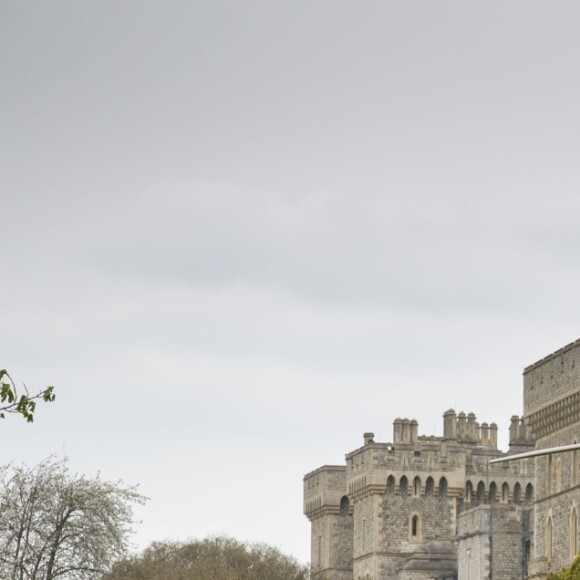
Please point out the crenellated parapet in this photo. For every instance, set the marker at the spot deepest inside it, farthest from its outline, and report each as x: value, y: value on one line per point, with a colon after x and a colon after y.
x: 391, y: 501
x: 425, y: 506
x: 324, y: 489
x: 465, y: 429
x: 521, y: 438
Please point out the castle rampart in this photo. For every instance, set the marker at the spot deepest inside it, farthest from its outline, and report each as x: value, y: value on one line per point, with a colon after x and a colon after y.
x: 406, y: 499
x: 426, y: 507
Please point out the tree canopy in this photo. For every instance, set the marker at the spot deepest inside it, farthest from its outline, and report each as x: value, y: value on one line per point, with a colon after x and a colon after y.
x: 24, y: 404
x: 56, y: 525
x: 571, y: 573
x: 219, y: 558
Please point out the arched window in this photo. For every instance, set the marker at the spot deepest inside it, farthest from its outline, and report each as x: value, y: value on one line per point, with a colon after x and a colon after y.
x: 573, y: 533
x: 529, y: 493
x: 468, y: 491
x: 574, y: 467
x: 364, y: 534
x: 480, y: 491
x: 442, y: 486
x: 492, y: 496
x: 417, y: 487
x: 549, y: 481
x: 505, y: 492
x: 403, y: 486
x: 549, y: 536
x: 517, y: 493
x: 415, y: 528
x: 390, y: 484
x: 468, y: 564
x: 429, y: 485
x: 344, y: 506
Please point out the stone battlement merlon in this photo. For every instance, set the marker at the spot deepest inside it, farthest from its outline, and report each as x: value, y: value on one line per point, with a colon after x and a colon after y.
x: 552, y: 356
x: 547, y: 383
x: 322, y: 469
x: 323, y: 490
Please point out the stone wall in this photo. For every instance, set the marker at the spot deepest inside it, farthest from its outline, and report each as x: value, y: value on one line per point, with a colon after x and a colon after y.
x: 423, y: 507
x: 552, y: 410
x: 329, y: 510
x: 493, y: 542
x: 552, y: 378
x: 558, y: 493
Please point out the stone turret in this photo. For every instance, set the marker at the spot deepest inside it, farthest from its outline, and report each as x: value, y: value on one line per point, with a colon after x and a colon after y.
x: 450, y: 424
x: 520, y: 439
x: 405, y: 432
x: 382, y: 514
x: 472, y: 428
x: 461, y: 426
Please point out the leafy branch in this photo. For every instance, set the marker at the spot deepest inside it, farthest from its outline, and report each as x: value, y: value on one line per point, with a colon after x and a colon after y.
x: 24, y: 404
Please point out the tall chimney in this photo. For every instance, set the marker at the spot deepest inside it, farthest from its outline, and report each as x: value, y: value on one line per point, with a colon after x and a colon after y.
x: 461, y: 426
x: 414, y: 431
x: 397, y: 431
x: 450, y: 424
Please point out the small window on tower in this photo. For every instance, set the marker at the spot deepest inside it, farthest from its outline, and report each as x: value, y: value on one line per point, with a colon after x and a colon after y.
x: 415, y: 528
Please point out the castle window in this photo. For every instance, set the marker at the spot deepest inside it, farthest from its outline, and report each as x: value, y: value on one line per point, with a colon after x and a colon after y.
x: 364, y: 535
x: 442, y: 486
x: 549, y: 536
x: 492, y: 492
x: 319, y: 552
x: 575, y: 466
x: 505, y: 493
x: 429, y: 484
x: 468, y: 564
x: 517, y: 493
x: 344, y: 506
x: 549, y: 478
x: 390, y: 484
x: 417, y: 487
x: 468, y: 491
x: 529, y: 493
x: 403, y: 486
x: 573, y: 533
x: 415, y: 528
x: 558, y: 474
x: 480, y: 491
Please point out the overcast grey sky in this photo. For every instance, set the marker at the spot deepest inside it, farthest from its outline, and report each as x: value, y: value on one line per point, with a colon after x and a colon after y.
x: 237, y: 235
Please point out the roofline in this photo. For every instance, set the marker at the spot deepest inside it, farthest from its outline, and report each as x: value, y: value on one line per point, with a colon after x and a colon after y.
x: 550, y: 356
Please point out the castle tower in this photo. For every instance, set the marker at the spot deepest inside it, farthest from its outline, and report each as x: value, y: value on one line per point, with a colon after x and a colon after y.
x: 552, y: 417
x: 328, y: 508
x: 421, y: 507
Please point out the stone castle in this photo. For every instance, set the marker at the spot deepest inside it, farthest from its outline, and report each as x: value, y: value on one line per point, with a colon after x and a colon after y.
x: 437, y: 508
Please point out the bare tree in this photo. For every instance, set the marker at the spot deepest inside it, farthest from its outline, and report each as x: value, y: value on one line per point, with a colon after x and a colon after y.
x: 55, y: 525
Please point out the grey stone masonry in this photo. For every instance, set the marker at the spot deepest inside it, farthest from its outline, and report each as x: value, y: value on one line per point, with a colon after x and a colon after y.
x: 391, y: 512
x: 435, y: 508
x: 552, y: 415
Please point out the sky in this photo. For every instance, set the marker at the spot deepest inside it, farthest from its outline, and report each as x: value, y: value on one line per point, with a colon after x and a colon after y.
x: 238, y: 235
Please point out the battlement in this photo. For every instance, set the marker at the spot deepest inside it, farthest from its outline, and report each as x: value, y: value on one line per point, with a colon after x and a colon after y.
x: 400, y: 496
x: 552, y: 390
x: 323, y: 490
x: 465, y: 429
x: 425, y: 506
x: 552, y: 356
